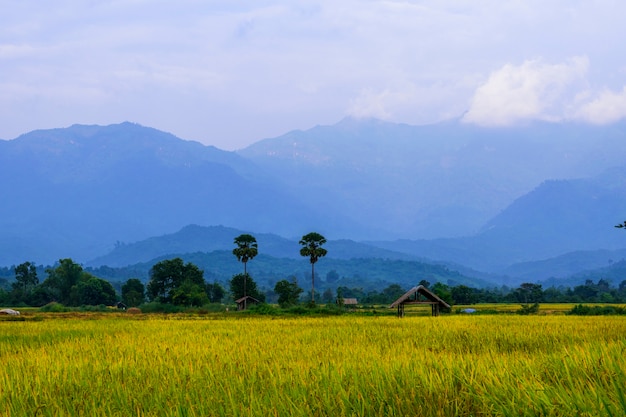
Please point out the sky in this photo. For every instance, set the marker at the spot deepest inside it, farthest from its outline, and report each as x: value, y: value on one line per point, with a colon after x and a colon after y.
x: 229, y: 73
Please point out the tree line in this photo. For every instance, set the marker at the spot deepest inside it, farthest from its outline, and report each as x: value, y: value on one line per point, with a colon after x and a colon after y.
x: 182, y: 284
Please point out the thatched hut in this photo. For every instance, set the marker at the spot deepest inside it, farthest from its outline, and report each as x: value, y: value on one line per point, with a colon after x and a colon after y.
x: 422, y: 296
x: 244, y: 302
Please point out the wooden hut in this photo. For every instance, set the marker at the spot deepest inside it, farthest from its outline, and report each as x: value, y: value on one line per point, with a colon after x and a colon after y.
x: 350, y: 302
x: 422, y: 296
x: 244, y: 302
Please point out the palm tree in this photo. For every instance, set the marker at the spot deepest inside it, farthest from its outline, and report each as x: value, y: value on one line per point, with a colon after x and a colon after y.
x: 246, y: 249
x: 312, y: 247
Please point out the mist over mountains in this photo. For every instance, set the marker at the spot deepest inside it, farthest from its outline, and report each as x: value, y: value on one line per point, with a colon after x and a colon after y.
x: 483, y: 198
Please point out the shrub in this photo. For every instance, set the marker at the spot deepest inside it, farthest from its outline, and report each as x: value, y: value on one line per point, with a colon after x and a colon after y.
x: 54, y: 307
x: 584, y: 310
x: 529, y: 309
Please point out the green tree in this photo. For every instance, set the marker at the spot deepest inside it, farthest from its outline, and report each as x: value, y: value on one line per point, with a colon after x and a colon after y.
x: 392, y: 293
x: 168, y: 276
x: 190, y: 294
x: 462, y: 294
x: 328, y: 296
x: 26, y: 281
x: 312, y: 247
x: 529, y: 293
x: 443, y: 292
x: 60, y: 281
x: 215, y: 292
x: 241, y: 281
x: 288, y: 293
x: 26, y: 276
x: 247, y: 248
x: 94, y: 291
x: 133, y: 292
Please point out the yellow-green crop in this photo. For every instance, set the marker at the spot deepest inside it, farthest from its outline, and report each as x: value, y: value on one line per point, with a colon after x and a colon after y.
x: 338, y: 366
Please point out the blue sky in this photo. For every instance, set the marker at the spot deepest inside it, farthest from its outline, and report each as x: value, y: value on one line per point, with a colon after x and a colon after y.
x: 229, y: 73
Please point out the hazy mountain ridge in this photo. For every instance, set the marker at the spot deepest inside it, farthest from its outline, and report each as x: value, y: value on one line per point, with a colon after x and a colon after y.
x: 550, y: 189
x: 194, y: 238
x: 555, y: 218
x: 443, y: 180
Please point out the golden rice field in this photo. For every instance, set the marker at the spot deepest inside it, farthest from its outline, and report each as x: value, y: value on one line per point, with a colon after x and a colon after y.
x: 491, y: 365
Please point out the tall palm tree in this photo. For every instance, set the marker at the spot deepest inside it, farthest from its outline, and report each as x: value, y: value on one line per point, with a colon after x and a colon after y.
x: 312, y: 247
x: 247, y: 248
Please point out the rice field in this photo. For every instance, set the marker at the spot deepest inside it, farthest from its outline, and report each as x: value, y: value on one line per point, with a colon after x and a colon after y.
x: 500, y: 365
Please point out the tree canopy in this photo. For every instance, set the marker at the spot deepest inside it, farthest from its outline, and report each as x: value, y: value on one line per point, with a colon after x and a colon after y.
x: 288, y: 292
x: 246, y: 250
x: 244, y: 282
x: 172, y: 281
x: 312, y: 247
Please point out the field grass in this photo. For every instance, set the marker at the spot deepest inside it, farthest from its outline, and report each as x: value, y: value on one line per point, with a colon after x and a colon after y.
x: 238, y: 365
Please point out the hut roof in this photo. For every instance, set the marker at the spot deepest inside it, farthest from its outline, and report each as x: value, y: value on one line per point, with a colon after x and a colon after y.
x: 247, y: 297
x: 350, y: 301
x: 420, y: 289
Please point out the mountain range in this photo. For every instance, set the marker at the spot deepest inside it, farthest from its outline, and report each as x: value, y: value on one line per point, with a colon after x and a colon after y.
x: 490, y: 199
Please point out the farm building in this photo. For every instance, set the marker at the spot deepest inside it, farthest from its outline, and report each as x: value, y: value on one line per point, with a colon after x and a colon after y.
x: 420, y: 295
x: 347, y: 302
x: 244, y: 302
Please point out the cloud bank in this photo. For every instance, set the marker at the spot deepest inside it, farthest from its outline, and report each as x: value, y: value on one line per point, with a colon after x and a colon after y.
x: 229, y: 73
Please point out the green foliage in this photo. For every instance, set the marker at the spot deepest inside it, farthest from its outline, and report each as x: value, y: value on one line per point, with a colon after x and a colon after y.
x: 61, y: 280
x: 26, y: 275
x: 527, y: 309
x: 215, y: 292
x: 69, y: 285
x: 288, y: 293
x: 93, y: 291
x: 585, y: 310
x: 172, y: 281
x: 312, y: 247
x: 133, y: 292
x: 247, y: 249
x: 242, y: 285
x: 157, y: 307
x: 54, y: 307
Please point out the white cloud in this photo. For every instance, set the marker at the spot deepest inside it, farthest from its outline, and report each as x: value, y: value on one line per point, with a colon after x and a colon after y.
x: 533, y: 90
x: 607, y: 107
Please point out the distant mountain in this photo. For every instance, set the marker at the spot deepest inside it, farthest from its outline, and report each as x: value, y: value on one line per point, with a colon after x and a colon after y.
x: 75, y: 192
x: 556, y: 218
x: 563, y: 266
x: 368, y: 274
x: 442, y: 180
x: 484, y: 198
x: 194, y: 238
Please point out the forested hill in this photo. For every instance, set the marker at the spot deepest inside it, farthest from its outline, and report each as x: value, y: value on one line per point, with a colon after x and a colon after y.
x: 486, y: 198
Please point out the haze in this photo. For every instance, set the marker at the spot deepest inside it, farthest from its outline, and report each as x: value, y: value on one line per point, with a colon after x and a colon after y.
x: 228, y: 73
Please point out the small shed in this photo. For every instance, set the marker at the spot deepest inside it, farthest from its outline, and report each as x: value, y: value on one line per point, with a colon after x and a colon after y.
x: 349, y: 302
x: 244, y: 302
x: 420, y: 295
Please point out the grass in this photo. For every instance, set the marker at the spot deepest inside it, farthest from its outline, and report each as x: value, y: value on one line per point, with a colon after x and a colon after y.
x: 97, y: 364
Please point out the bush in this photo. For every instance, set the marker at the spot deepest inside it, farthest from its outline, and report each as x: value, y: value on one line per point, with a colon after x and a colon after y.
x: 156, y: 307
x: 583, y: 310
x: 265, y: 309
x: 529, y: 309
x: 54, y: 307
